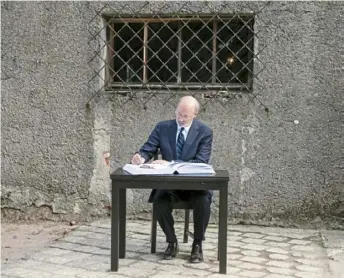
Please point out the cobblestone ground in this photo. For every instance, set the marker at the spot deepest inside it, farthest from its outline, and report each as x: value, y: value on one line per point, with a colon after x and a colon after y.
x: 252, y: 252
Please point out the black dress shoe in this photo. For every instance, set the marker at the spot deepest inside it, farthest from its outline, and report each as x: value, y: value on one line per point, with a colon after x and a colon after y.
x: 171, y: 251
x: 196, y: 254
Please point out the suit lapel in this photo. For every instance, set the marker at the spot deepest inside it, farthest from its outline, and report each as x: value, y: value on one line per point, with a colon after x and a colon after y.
x: 193, y: 132
x: 172, y: 135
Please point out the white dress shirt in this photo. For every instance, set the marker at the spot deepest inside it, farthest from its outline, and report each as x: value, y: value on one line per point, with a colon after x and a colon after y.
x: 185, y: 131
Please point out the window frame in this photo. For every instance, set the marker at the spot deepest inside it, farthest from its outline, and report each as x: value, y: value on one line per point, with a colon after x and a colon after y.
x: 244, y: 19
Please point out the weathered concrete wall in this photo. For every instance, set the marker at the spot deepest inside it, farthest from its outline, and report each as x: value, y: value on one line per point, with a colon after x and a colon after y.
x: 48, y: 136
x: 281, y: 173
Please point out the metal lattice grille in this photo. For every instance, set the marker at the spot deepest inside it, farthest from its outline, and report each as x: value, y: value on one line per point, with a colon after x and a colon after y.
x: 211, y: 53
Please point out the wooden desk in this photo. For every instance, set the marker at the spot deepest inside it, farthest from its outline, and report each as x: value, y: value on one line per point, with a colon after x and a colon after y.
x: 122, y: 180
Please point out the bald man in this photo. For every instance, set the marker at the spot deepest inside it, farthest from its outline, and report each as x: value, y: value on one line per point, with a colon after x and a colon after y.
x: 180, y: 139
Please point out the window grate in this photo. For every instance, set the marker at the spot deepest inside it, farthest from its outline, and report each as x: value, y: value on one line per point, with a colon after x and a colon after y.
x: 208, y: 51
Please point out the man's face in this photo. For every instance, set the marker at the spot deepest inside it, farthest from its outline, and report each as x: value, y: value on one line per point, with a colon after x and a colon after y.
x: 185, y: 114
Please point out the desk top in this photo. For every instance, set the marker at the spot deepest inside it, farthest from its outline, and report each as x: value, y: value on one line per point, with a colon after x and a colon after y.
x: 120, y: 174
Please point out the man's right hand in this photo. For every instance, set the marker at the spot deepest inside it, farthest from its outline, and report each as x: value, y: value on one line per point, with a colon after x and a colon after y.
x: 137, y: 159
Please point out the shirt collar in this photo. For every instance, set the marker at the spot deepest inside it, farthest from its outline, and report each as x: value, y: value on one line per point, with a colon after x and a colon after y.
x: 187, y: 128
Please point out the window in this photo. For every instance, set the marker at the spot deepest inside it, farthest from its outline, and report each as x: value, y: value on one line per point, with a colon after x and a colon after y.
x: 179, y: 52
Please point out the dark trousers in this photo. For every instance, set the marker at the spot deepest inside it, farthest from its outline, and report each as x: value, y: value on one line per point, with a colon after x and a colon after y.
x: 162, y: 207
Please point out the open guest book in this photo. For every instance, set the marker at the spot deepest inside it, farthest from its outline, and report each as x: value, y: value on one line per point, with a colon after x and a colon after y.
x: 169, y: 168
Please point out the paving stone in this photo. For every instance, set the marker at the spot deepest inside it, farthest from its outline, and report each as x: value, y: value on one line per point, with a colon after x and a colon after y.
x: 313, y: 262
x: 234, y: 262
x: 235, y: 243
x: 87, y: 249
x: 256, y: 247
x: 275, y: 238
x: 138, y: 269
x: 125, y: 262
x: 59, y: 260
x: 180, y: 261
x: 233, y: 233
x: 222, y: 276
x: 140, y: 236
x: 100, y: 266
x: 181, y: 271
x: 189, y: 272
x: 253, y: 235
x: 277, y: 234
x: 250, y: 253
x: 256, y: 260
x: 55, y: 252
x: 278, y: 270
x: 85, y: 262
x: 75, y: 239
x: 100, y: 223
x: 205, y: 246
x: 231, y: 256
x: 253, y: 274
x: 234, y: 238
x: 64, y: 245
x: 312, y: 275
x: 232, y: 250
x: 312, y: 256
x: 307, y: 268
x: 277, y: 250
x: 291, y: 233
x: 15, y: 271
x: 294, y: 256
x: 151, y: 257
x: 253, y: 240
x: 93, y: 274
x: 230, y: 270
x: 297, y: 254
x: 211, y: 254
x: 299, y: 242
x: 72, y: 271
x: 278, y: 257
x: 104, y: 252
x: 202, y: 265
x: 86, y: 234
x: 279, y: 264
x: 40, y: 265
x: 134, y: 255
x: 162, y: 274
x: 134, y: 247
x: 273, y: 275
x: 303, y: 235
x: 41, y: 274
x: 277, y: 244
x: 102, y: 244
x: 311, y: 248
x: 212, y: 240
x: 170, y: 269
x: 250, y: 266
x: 211, y: 234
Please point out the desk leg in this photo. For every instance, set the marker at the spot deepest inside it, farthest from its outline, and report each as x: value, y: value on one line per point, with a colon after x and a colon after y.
x: 114, y: 227
x: 223, y: 228
x: 122, y: 220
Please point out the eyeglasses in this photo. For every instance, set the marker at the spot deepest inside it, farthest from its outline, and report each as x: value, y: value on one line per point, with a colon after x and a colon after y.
x: 181, y: 116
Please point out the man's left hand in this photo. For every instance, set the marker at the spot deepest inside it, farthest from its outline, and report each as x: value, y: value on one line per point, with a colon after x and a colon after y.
x: 159, y: 162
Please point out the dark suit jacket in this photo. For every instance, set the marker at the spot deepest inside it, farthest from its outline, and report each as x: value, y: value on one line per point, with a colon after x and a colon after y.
x: 197, y: 147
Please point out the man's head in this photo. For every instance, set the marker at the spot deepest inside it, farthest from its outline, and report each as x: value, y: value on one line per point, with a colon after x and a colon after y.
x: 187, y: 109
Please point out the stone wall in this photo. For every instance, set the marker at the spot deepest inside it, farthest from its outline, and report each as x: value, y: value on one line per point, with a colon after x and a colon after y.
x: 285, y: 165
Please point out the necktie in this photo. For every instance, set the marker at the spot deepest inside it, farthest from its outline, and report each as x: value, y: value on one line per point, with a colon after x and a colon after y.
x: 180, y: 143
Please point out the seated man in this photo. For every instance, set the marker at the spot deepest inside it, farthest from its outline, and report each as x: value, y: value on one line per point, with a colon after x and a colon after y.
x: 183, y: 139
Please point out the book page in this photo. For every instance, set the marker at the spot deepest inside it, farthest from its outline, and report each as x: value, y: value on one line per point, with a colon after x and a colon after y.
x: 148, y: 169
x: 169, y: 168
